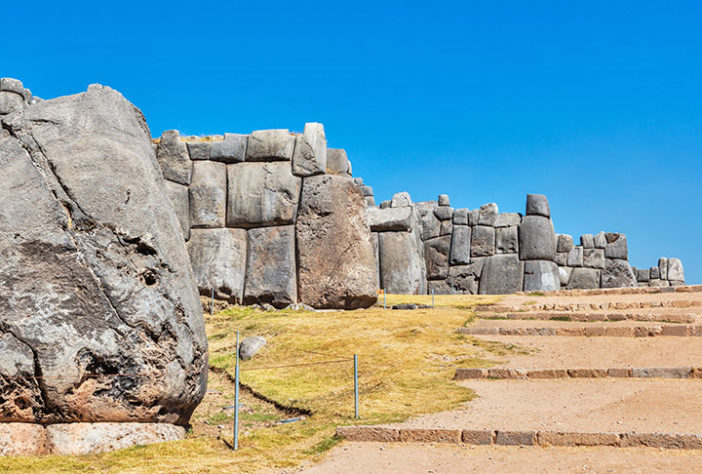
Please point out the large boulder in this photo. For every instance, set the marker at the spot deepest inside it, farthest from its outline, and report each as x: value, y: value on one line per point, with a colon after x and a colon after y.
x: 180, y: 200
x: 460, y: 245
x: 507, y: 239
x: 465, y: 278
x: 208, y: 194
x: 174, y: 158
x: 390, y: 218
x: 218, y: 258
x: 310, y: 156
x: 336, y: 261
x: 261, y: 194
x: 99, y: 308
x: 402, y: 266
x: 616, y: 246
x: 436, y: 255
x: 482, y: 241
x: 541, y: 275
x: 675, y: 270
x: 501, y: 274
x: 537, y: 239
x: 270, y: 266
x: 584, y: 279
x: 537, y: 205
x: 617, y: 274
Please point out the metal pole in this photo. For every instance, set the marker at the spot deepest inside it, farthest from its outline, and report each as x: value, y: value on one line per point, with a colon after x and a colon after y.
x: 236, y: 397
x: 212, y: 306
x: 355, y: 381
x: 385, y: 300
x: 433, y: 304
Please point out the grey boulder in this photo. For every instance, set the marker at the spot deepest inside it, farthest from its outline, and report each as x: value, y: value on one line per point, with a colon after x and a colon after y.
x: 218, y: 258
x: 230, y: 150
x: 310, y: 155
x: 270, y: 145
x: 537, y: 205
x: 174, y: 159
x: 178, y: 195
x: 541, y: 275
x: 208, y: 194
x: 537, y: 240
x: 390, y: 219
x: 616, y: 246
x: 436, y: 255
x: 617, y: 274
x: 488, y: 214
x: 460, y: 245
x: 482, y: 241
x: 584, y: 279
x: 402, y: 266
x: 250, y: 346
x: 501, y: 274
x: 270, y: 266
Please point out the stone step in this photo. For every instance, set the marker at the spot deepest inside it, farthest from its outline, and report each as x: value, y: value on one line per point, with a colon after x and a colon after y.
x: 611, y: 305
x: 617, y: 372
x: 568, y: 316
x: 618, y: 291
x: 589, y: 331
x: 519, y: 438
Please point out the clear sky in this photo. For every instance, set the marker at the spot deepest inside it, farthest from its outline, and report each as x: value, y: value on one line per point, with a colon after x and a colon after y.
x: 596, y: 104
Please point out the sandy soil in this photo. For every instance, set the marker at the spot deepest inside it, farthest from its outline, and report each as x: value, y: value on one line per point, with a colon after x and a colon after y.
x: 520, y: 300
x: 362, y: 458
x: 538, y: 323
x: 566, y: 352
x: 590, y: 405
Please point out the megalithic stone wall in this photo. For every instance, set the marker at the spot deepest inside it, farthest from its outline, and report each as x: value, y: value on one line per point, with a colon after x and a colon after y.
x: 483, y: 251
x: 272, y: 217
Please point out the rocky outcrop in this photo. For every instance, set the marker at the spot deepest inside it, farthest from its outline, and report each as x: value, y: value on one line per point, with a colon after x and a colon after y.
x: 100, y: 318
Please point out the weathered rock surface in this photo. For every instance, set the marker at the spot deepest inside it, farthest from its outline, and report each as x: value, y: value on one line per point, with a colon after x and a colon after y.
x: 506, y: 239
x: 270, y: 145
x: 250, y: 346
x: 587, y: 241
x: 444, y: 200
x: 617, y: 274
x: 537, y: 239
x: 230, y: 150
x: 208, y: 194
x: 575, y: 257
x: 270, y: 266
x: 261, y: 194
x: 460, y: 245
x: 310, y: 155
x: 482, y: 241
x: 22, y: 439
x: 537, y: 205
x: 402, y: 266
x: 96, y: 280
x: 218, y: 258
x: 338, y: 162
x: 402, y: 199
x: 600, y: 240
x: 564, y: 243
x: 460, y: 217
x: 663, y: 268
x: 173, y: 157
x: 501, y: 274
x: 594, y: 258
x: 180, y: 200
x: 85, y: 438
x: 488, y: 214
x: 565, y: 273
x: 390, y: 219
x: 675, y: 270
x: 541, y: 275
x: 436, y: 255
x: 199, y: 150
x: 508, y: 219
x: 465, y: 278
x: 584, y: 279
x: 336, y: 261
x: 616, y: 246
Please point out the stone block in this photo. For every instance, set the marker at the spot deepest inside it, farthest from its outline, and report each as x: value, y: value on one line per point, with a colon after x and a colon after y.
x: 600, y: 241
x: 218, y: 258
x: 402, y: 199
x: 460, y: 245
x: 199, y: 151
x: 366, y: 190
x: 559, y: 438
x: 564, y: 243
x: 587, y: 241
x: 22, y: 439
x: 508, y: 219
x: 430, y: 224
x: 310, y: 155
x: 444, y: 213
x: 230, y: 150
x: 501, y: 274
x: 369, y: 201
x: 617, y: 274
x: 460, y: 217
x: 270, y: 145
x: 561, y: 259
x: 506, y: 239
x: 488, y: 214
x: 368, y: 433
x: 208, y: 194
x: 178, y: 195
x: 338, y: 162
x: 515, y: 438
x: 473, y: 217
x: 565, y: 273
x: 675, y: 270
x: 541, y: 275
x: 654, y: 273
x: 10, y: 102
x: 422, y: 435
x: 643, y: 275
x: 537, y: 205
x: 336, y: 261
x: 661, y: 440
x: 662, y: 372
x: 477, y: 437
x: 440, y: 287
x: 482, y: 241
x: 618, y: 372
x: 173, y: 158
x: 402, y: 266
x: 261, y: 194
x: 270, y: 267
x: 444, y: 200
x: 446, y: 228
x: 594, y: 258
x: 465, y: 278
x: 397, y: 219
x: 584, y: 279
x: 537, y: 240
x: 663, y: 268
x: 616, y: 246
x: 436, y: 255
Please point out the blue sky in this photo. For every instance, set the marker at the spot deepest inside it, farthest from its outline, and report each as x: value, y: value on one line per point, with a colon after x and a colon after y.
x: 598, y: 105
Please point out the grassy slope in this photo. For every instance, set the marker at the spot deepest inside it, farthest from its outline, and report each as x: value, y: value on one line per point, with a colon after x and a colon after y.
x: 406, y: 363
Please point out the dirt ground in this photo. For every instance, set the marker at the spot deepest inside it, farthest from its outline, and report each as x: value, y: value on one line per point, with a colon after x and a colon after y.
x: 373, y: 458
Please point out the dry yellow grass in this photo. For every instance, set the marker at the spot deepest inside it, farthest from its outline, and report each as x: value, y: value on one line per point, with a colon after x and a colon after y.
x: 406, y: 363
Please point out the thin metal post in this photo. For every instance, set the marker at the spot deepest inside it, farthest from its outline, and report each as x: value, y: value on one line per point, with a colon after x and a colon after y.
x: 236, y: 396
x: 385, y: 300
x: 355, y: 382
x: 433, y: 304
x: 212, y: 305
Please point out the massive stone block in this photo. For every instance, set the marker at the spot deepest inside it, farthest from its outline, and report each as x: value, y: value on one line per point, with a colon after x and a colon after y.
x: 537, y: 240
x: 594, y: 258
x: 537, y: 205
x: 663, y: 268
x: 616, y: 246
x: 482, y: 241
x: 310, y: 155
x: 178, y: 194
x: 488, y: 214
x: 336, y: 262
x: 338, y: 162
x: 261, y: 194
x: 541, y: 275
x: 584, y: 279
x: 501, y: 274
x: 208, y: 194
x: 675, y: 270
x: 270, y: 145
x: 230, y: 150
x: 575, y: 257
x: 460, y: 245
x: 218, y: 258
x: 96, y: 280
x: 436, y: 255
x: 430, y: 224
x: 174, y: 158
x: 506, y: 239
x: 465, y: 278
x: 508, y: 219
x: 390, y: 219
x: 564, y: 243
x: 402, y: 266
x: 460, y: 217
x: 617, y: 274
x: 270, y: 266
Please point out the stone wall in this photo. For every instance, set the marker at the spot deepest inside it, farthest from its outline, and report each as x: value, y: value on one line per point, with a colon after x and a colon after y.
x: 271, y: 218
x: 483, y: 251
